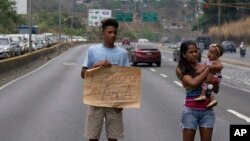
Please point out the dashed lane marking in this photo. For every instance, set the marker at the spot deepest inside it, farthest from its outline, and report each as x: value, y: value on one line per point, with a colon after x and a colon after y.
x: 163, y: 75
x: 178, y: 83
x: 239, y: 115
x: 153, y: 70
x: 69, y: 64
x: 164, y: 57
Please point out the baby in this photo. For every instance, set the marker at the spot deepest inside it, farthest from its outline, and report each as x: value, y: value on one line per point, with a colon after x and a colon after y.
x: 213, y: 79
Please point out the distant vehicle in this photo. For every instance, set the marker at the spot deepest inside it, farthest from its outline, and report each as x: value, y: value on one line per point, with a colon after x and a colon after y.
x: 21, y: 41
x: 205, y: 39
x: 7, y: 47
x: 125, y: 41
x: 229, y: 46
x: 145, y: 53
x: 142, y: 40
x: 25, y: 29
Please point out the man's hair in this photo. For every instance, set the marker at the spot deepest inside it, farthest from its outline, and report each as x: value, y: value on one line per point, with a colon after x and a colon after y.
x: 109, y: 22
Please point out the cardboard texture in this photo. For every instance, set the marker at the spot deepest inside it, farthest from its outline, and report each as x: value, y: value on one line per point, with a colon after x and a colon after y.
x: 116, y: 86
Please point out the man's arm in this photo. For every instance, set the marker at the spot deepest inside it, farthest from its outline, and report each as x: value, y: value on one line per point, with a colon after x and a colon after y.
x: 102, y: 63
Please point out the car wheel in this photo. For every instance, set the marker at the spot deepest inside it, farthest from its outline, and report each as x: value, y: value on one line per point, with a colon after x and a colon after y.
x: 174, y: 59
x: 134, y: 63
x: 158, y: 64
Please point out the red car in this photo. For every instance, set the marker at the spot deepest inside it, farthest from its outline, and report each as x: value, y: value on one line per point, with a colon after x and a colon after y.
x: 125, y: 41
x: 145, y: 53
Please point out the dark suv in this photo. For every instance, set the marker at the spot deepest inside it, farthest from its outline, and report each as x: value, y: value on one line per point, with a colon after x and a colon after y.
x: 229, y: 46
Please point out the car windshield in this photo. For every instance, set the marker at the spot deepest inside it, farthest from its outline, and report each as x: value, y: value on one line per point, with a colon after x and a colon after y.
x: 16, y: 38
x: 4, y: 41
x: 144, y: 46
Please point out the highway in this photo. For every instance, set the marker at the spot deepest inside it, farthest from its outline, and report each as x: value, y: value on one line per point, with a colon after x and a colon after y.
x: 46, y: 104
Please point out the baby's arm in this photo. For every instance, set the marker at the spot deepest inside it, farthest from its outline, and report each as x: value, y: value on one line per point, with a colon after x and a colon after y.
x: 216, y: 65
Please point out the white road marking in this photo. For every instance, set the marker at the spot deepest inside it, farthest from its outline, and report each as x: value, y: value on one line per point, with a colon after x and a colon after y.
x: 13, y: 81
x: 163, y: 75
x: 178, y: 83
x: 163, y: 57
x: 170, y: 60
x: 227, y: 77
x: 235, y: 87
x: 239, y: 115
x: 69, y: 64
x: 153, y: 70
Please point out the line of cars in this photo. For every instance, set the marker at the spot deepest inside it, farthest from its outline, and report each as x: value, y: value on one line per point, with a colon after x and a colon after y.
x: 17, y: 44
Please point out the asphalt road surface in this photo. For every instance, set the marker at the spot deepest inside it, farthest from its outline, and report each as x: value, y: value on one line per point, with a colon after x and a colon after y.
x: 46, y: 104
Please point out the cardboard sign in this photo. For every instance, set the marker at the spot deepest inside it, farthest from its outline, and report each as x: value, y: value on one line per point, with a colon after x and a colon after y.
x: 116, y: 86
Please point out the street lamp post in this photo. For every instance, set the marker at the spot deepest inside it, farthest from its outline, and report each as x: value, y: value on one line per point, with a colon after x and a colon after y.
x: 30, y: 27
x: 219, y: 13
x: 60, y: 14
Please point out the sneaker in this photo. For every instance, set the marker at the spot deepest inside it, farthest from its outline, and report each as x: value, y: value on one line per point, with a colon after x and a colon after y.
x: 212, y: 104
x: 200, y: 98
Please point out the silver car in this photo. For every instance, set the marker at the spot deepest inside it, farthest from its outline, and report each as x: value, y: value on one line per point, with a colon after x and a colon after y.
x: 7, y: 47
x: 21, y: 41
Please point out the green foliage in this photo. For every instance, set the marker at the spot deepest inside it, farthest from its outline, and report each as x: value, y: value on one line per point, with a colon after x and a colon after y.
x: 140, y: 33
x: 8, y: 17
x: 230, y: 11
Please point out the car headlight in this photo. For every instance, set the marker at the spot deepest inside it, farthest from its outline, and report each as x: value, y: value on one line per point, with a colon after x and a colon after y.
x: 6, y: 49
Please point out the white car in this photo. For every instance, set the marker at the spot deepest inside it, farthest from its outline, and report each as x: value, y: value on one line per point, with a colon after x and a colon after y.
x: 142, y: 40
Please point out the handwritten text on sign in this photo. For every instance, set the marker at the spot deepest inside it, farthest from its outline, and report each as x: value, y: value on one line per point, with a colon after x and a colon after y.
x: 113, y: 87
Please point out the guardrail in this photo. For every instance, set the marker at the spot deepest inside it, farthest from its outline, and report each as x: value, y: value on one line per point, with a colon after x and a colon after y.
x: 21, y: 61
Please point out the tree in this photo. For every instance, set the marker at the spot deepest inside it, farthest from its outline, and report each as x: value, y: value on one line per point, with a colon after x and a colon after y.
x: 8, y: 17
x: 231, y: 10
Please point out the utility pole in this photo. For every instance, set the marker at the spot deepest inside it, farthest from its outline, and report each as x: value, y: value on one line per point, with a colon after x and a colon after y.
x: 219, y: 13
x: 60, y: 14
x: 30, y: 27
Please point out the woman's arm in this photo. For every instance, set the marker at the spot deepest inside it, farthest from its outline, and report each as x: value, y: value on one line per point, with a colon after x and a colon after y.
x: 197, y: 80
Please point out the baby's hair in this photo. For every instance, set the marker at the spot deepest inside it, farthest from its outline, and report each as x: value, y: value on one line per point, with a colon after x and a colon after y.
x: 218, y: 48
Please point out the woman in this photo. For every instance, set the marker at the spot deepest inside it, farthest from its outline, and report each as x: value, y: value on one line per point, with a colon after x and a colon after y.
x: 194, y: 114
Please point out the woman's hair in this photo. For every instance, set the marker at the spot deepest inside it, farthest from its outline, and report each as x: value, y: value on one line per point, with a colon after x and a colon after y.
x: 109, y: 22
x: 183, y: 64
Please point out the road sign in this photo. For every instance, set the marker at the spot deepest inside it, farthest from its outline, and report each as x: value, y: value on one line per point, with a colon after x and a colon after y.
x: 124, y: 17
x: 149, y: 17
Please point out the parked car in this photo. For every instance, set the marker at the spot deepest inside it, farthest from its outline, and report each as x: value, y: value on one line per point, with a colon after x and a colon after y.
x: 21, y: 41
x: 145, y: 53
x: 229, y: 46
x: 7, y: 47
x: 142, y: 40
x: 176, y: 53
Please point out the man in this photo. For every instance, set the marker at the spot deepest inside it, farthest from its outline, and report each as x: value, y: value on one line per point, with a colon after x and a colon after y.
x: 105, y: 55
